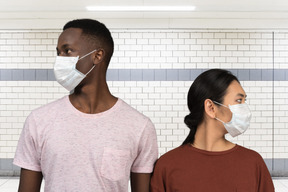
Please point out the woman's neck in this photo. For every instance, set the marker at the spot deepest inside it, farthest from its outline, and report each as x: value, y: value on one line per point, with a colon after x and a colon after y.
x: 209, y: 137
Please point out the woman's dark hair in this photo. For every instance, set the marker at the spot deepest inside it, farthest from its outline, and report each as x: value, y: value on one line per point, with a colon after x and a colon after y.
x: 211, y: 84
x: 97, y: 33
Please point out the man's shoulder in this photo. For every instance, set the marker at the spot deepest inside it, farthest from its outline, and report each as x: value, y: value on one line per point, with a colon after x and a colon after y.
x: 50, y: 107
x: 131, y: 111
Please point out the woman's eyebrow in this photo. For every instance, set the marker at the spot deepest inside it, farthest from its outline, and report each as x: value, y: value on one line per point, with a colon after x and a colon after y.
x: 241, y: 95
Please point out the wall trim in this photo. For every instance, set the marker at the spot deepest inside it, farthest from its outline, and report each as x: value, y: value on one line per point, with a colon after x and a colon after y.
x: 147, y: 74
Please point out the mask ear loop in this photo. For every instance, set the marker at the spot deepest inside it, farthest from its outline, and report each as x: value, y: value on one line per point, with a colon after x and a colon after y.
x: 219, y: 120
x: 90, y: 70
x: 220, y: 105
x: 87, y: 54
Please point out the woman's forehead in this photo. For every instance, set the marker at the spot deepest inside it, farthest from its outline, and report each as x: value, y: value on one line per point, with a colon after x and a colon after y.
x: 235, y: 89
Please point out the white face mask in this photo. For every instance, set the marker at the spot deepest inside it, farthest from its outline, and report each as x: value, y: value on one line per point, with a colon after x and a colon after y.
x: 66, y: 73
x: 241, y: 116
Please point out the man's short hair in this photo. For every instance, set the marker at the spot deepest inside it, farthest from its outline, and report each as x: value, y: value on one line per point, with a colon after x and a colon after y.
x: 96, y: 32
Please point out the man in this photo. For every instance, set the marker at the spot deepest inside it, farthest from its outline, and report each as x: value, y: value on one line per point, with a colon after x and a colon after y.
x: 89, y: 140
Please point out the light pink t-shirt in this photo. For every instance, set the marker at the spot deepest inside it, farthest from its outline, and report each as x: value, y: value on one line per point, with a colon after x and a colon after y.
x: 79, y: 152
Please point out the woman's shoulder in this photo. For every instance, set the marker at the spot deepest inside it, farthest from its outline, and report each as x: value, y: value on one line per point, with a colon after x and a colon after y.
x: 252, y: 154
x: 174, y: 154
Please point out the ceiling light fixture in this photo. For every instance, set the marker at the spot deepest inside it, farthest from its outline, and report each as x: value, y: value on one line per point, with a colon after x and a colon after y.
x: 140, y: 8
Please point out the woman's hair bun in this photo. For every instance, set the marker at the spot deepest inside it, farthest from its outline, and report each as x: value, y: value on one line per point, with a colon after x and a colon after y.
x: 190, y: 121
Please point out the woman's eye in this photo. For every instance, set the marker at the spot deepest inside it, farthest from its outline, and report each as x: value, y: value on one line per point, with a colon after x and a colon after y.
x: 239, y: 100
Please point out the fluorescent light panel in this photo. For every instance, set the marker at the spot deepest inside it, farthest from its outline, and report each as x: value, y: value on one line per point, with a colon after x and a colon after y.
x: 140, y: 8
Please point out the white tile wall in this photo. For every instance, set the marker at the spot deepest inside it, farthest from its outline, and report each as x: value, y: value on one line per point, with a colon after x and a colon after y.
x: 163, y: 101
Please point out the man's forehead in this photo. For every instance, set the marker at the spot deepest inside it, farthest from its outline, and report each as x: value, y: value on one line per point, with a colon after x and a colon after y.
x: 75, y: 32
x: 70, y: 35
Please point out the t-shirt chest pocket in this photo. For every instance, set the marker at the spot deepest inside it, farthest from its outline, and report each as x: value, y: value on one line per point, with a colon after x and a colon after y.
x: 114, y: 164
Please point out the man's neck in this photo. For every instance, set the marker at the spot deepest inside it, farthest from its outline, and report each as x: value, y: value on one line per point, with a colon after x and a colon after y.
x: 92, y: 99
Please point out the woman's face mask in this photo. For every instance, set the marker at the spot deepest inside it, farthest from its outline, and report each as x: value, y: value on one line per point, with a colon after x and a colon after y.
x: 241, y: 116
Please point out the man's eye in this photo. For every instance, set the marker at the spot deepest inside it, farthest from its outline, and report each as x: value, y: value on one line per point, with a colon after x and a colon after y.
x: 68, y: 51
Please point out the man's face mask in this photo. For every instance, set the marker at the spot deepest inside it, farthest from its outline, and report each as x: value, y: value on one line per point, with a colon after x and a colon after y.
x: 241, y: 116
x: 66, y: 73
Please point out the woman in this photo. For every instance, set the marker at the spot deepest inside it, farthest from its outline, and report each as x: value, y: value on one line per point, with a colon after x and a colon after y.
x: 206, y: 161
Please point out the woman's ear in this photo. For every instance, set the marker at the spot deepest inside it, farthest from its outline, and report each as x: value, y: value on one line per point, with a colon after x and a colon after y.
x: 98, y: 56
x: 209, y: 108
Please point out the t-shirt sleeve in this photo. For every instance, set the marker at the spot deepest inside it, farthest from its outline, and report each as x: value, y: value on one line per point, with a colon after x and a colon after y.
x: 147, y: 150
x: 265, y: 180
x: 27, y: 153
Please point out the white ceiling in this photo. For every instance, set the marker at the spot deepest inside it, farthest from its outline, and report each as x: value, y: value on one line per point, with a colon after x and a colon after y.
x: 45, y: 12
x: 202, y: 6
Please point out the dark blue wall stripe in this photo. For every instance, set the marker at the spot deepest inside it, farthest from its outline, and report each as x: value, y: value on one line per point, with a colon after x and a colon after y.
x: 147, y: 74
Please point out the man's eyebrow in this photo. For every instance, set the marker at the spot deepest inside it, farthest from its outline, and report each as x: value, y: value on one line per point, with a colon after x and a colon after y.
x: 62, y: 47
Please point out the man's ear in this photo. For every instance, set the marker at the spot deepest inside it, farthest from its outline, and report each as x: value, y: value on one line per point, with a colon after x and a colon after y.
x: 98, y: 56
x: 210, y: 108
